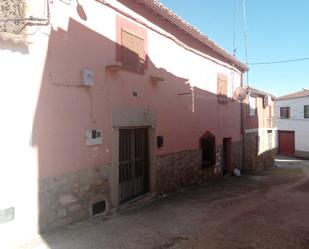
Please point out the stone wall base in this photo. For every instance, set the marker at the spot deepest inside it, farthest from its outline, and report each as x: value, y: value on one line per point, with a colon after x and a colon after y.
x: 182, y: 169
x: 302, y: 154
x: 259, y: 151
x: 69, y: 198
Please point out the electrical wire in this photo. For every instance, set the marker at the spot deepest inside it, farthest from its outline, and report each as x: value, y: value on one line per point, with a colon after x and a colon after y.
x: 278, y: 62
x: 21, y: 19
x: 235, y: 29
x: 245, y: 36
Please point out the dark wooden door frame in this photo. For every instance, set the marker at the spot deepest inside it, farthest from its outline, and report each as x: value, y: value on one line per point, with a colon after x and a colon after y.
x: 227, y: 155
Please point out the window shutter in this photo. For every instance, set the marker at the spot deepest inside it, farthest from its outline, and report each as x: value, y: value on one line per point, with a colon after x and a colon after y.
x: 133, y: 53
x: 285, y: 112
x: 222, y: 88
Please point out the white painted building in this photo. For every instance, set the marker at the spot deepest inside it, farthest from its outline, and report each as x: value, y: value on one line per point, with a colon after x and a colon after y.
x: 293, y: 124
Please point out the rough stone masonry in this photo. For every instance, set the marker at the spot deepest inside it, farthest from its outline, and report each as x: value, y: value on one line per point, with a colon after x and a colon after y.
x: 12, y: 9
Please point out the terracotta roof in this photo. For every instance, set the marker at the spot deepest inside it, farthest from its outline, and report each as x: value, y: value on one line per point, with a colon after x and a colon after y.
x: 300, y: 94
x: 169, y: 15
x: 249, y: 88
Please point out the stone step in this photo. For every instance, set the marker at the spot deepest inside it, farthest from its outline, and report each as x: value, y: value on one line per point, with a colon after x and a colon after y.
x: 138, y: 201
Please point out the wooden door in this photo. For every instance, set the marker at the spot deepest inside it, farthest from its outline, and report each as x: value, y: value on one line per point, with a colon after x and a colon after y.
x: 286, y: 140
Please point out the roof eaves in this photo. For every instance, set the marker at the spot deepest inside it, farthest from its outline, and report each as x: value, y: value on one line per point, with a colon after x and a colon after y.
x: 257, y: 91
x: 301, y: 94
x: 160, y: 9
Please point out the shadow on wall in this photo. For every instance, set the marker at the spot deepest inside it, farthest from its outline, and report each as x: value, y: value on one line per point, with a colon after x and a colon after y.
x: 72, y: 175
x: 182, y: 36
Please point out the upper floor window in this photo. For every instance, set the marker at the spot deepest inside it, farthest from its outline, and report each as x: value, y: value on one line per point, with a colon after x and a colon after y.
x: 252, y: 106
x: 133, y: 52
x: 306, y: 111
x: 285, y: 112
x: 222, y: 88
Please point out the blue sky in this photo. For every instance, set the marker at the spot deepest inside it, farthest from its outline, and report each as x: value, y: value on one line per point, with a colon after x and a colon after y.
x: 277, y: 30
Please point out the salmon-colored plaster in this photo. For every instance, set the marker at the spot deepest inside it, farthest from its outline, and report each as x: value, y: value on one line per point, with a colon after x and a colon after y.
x: 185, y: 103
x: 46, y: 110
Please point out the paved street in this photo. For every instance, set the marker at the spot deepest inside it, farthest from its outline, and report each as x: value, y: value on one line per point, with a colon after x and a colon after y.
x: 262, y: 211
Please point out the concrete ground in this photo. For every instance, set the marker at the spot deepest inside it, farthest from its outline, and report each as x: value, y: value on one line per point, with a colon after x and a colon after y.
x: 265, y: 210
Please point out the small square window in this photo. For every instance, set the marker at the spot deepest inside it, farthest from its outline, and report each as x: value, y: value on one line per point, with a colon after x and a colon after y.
x: 98, y: 208
x: 306, y: 111
x: 285, y: 112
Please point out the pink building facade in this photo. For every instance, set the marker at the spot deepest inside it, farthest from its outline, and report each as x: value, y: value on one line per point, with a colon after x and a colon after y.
x: 107, y: 101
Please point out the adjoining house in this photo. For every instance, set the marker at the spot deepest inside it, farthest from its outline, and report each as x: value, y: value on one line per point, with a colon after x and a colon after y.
x: 260, y: 130
x: 293, y: 124
x: 107, y: 101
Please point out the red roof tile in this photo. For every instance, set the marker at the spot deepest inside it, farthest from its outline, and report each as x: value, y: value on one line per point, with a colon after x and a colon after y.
x: 300, y: 94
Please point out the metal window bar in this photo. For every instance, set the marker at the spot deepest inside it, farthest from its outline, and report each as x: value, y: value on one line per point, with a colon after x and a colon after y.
x: 133, y: 163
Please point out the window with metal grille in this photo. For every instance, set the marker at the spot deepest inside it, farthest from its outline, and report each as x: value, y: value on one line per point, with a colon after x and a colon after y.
x: 133, y: 52
x: 208, y: 146
x: 306, y: 111
x: 222, y: 87
x: 284, y: 112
